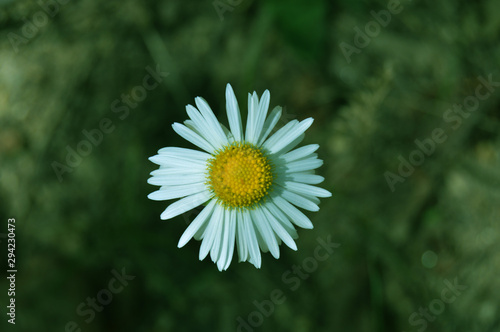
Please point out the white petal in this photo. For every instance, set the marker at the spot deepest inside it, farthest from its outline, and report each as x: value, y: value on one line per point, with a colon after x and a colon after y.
x: 250, y: 134
x: 252, y: 109
x: 290, y: 136
x: 291, y: 145
x: 191, y: 125
x: 241, y: 235
x: 260, y: 240
x: 232, y: 238
x: 260, y: 116
x: 191, y: 136
x: 185, y: 204
x: 277, y: 136
x: 211, y: 231
x: 228, y: 134
x: 179, y: 180
x: 224, y: 239
x: 301, y: 188
x: 278, y: 229
x: 219, y: 234
x: 269, y: 125
x: 185, y: 153
x: 176, y: 171
x: 197, y: 223
x: 233, y: 114
x: 228, y: 240
x: 265, y: 231
x: 211, y: 119
x: 313, y: 199
x: 251, y: 240
x: 204, y: 127
x: 199, y: 233
x: 300, y: 153
x: 299, y: 200
x: 218, y: 251
x: 172, y: 192
x: 304, y: 178
x: 303, y: 165
x: 176, y: 161
x: 282, y: 218
x: 297, y: 217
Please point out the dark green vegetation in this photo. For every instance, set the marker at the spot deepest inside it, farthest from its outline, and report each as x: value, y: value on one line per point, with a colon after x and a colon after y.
x: 414, y: 92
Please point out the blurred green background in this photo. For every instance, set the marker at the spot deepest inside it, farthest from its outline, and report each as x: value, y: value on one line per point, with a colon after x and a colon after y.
x: 68, y: 66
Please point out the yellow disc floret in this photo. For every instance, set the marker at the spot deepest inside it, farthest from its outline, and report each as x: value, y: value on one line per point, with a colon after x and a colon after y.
x: 239, y: 175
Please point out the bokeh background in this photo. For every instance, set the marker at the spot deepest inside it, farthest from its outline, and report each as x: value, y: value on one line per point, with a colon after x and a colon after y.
x: 61, y: 77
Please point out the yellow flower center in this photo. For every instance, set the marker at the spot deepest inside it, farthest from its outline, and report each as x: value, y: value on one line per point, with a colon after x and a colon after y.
x: 239, y: 175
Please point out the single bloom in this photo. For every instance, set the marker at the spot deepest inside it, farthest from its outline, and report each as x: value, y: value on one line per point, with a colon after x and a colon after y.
x: 251, y: 181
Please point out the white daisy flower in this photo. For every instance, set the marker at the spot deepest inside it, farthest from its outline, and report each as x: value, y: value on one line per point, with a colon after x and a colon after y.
x: 252, y: 182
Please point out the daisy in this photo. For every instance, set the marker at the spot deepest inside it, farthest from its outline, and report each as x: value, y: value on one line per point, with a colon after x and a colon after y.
x: 251, y: 182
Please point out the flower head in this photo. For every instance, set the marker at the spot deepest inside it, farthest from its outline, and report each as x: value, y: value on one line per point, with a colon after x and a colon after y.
x: 251, y: 182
